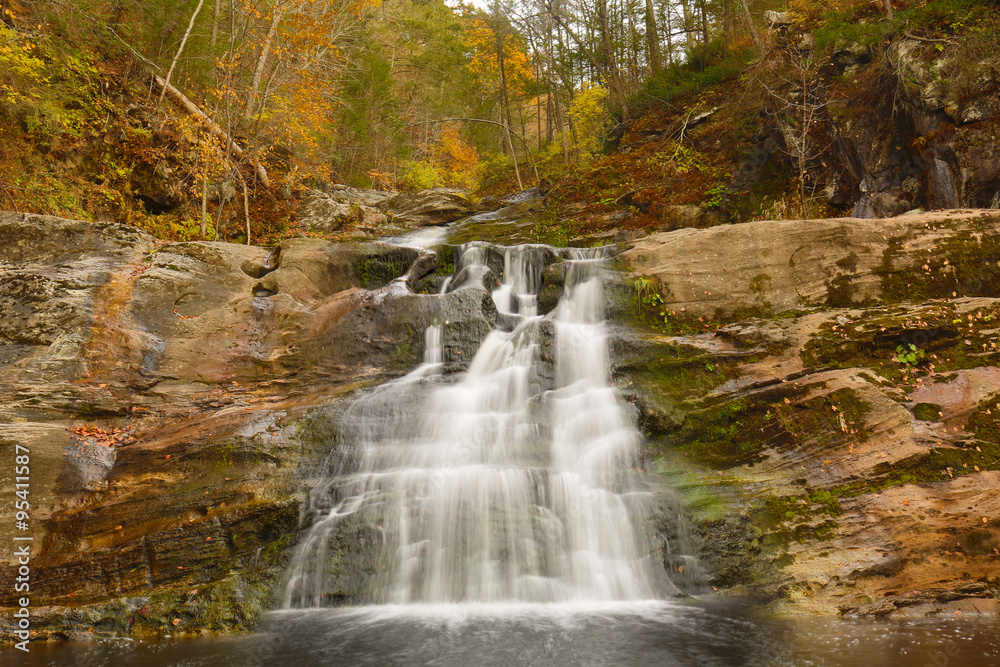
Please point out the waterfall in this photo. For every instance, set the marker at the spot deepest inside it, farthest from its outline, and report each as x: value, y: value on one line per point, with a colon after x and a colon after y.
x: 505, y: 485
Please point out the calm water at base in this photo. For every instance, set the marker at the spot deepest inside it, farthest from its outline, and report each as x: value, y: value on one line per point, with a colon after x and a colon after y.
x: 634, y: 633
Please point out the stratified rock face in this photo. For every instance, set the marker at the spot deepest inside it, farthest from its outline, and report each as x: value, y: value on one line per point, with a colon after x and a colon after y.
x: 168, y: 394
x: 769, y: 267
x: 848, y: 430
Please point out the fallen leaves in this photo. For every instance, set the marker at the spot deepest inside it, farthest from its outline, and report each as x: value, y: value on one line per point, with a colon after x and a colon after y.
x: 109, y: 437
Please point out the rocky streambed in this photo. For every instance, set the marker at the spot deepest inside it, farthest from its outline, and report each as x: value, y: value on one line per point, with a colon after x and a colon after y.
x: 178, y: 399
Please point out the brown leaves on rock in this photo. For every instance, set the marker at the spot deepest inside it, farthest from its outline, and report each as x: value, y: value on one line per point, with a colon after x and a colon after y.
x: 109, y: 437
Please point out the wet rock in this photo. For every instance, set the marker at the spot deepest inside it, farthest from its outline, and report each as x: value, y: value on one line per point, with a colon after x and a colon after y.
x: 160, y: 390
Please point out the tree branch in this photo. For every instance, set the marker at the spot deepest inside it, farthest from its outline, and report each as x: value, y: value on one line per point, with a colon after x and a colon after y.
x: 185, y: 104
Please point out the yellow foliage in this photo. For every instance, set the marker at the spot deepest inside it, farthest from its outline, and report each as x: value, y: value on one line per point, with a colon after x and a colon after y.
x: 589, y: 111
x: 484, y: 44
x: 383, y: 180
x: 450, y: 162
x: 19, y: 68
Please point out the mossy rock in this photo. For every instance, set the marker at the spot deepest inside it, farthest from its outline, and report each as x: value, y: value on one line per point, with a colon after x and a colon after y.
x: 928, y: 412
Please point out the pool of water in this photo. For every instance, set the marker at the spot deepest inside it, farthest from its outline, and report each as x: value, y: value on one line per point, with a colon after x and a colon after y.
x: 635, y: 633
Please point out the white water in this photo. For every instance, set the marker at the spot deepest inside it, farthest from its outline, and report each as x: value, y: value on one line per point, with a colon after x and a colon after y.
x: 500, y: 487
x: 518, y: 294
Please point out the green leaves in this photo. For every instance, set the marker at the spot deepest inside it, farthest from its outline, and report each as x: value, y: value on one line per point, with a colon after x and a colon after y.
x: 909, y: 354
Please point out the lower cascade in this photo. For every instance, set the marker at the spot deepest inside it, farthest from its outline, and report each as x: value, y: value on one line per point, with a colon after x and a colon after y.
x: 518, y: 480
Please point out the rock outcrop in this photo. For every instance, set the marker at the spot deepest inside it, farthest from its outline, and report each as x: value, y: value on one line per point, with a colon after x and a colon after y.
x: 769, y: 267
x: 834, y: 384
x: 173, y: 396
x: 925, y: 138
x: 373, y: 213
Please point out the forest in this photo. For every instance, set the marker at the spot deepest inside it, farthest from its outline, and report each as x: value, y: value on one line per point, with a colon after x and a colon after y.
x: 193, y: 119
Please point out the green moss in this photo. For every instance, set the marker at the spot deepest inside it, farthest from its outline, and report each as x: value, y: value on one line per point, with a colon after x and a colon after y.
x: 928, y: 412
x: 446, y: 261
x: 373, y: 271
x: 543, y: 227
x: 964, y: 264
x: 741, y: 431
x: 681, y: 372
x: 849, y: 263
x: 840, y: 292
x: 761, y: 285
x: 937, y: 465
x: 736, y: 432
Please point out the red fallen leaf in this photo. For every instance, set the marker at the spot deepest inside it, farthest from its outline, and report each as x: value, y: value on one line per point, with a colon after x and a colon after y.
x: 176, y: 621
x: 167, y: 456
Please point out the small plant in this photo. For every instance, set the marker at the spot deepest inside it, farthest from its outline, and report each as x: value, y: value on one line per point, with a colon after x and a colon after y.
x: 647, y: 295
x: 909, y: 354
x: 715, y: 195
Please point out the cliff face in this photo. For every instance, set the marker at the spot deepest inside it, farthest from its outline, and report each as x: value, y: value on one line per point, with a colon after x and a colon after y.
x: 835, y: 382
x: 175, y: 399
x: 913, y: 126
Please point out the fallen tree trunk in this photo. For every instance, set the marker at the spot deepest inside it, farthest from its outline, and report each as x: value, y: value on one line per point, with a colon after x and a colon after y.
x: 182, y: 101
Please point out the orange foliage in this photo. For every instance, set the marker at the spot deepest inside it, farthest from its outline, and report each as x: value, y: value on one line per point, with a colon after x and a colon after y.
x: 484, y: 44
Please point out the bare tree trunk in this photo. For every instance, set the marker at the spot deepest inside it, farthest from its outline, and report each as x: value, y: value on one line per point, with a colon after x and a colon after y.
x: 652, y: 39
x: 181, y: 100
x: 609, y: 71
x: 688, y: 24
x: 204, y: 196
x: 215, y: 23
x: 177, y: 56
x: 752, y: 27
x: 614, y: 77
x: 888, y: 8
x: 258, y: 72
x: 505, y: 106
x: 246, y: 208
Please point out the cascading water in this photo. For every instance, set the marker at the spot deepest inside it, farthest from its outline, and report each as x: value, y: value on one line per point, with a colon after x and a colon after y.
x: 502, y: 486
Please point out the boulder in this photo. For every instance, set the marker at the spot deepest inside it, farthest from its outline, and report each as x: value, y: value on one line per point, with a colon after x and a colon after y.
x: 777, y: 20
x: 437, y: 206
x: 323, y: 213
